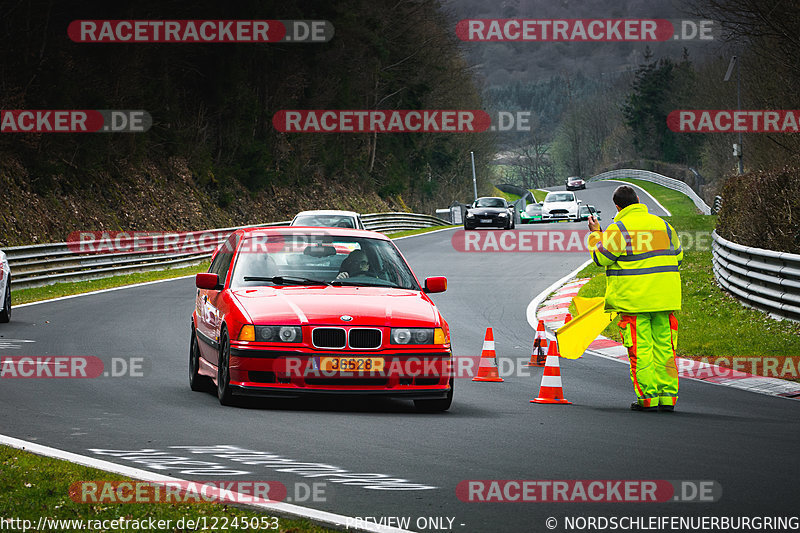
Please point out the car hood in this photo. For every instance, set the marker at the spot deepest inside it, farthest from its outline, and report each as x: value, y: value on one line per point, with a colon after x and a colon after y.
x: 560, y: 205
x: 477, y: 211
x: 374, y: 306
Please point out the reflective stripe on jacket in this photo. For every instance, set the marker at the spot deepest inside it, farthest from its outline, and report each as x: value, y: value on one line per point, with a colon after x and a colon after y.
x: 641, y: 253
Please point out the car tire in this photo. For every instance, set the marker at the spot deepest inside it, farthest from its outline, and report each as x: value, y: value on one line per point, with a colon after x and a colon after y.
x: 436, y: 406
x: 224, y: 393
x: 5, y: 313
x: 197, y: 381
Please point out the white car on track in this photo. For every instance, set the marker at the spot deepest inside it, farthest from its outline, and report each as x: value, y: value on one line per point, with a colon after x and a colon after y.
x: 5, y: 288
x: 561, y: 205
x: 328, y: 218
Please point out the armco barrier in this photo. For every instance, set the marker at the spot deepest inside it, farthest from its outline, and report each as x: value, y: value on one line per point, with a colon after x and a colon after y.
x: 43, y: 264
x: 761, y: 278
x: 646, y: 175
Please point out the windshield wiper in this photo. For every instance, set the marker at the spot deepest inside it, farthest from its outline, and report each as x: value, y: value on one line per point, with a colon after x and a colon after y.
x: 357, y: 283
x: 287, y: 280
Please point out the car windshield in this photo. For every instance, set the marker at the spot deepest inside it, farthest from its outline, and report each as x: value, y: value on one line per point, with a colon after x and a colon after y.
x: 489, y: 202
x: 281, y: 259
x: 533, y: 209
x: 324, y: 221
x: 560, y: 197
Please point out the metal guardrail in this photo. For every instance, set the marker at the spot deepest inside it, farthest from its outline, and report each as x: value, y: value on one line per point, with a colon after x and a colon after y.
x: 646, y: 175
x: 765, y: 279
x: 394, y: 222
x: 44, y: 264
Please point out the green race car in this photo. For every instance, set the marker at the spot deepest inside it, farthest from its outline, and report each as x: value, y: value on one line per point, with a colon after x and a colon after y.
x: 531, y: 214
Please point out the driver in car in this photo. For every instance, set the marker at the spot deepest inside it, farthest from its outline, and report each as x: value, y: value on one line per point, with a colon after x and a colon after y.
x: 355, y: 264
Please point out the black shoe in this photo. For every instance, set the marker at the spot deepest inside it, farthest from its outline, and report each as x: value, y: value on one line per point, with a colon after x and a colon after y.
x: 666, y: 408
x: 635, y: 406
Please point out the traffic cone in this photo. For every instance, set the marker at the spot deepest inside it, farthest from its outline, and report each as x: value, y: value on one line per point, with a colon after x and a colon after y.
x: 539, y: 353
x: 487, y: 369
x: 568, y: 317
x: 550, y: 390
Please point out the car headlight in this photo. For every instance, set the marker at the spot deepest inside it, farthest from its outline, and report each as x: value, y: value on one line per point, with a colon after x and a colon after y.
x: 278, y: 334
x: 417, y: 336
x: 470, y: 215
x: 503, y: 214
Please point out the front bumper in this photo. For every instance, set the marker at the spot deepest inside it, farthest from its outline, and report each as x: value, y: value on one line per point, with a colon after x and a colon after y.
x: 406, y: 374
x: 486, y: 222
x: 560, y: 216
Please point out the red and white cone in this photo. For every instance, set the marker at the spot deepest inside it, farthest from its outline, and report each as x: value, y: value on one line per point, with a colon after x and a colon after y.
x: 550, y: 390
x: 539, y: 353
x: 487, y: 369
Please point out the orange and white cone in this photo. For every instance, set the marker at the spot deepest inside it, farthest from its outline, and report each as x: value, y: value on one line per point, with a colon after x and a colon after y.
x: 551, y: 390
x: 539, y: 352
x: 487, y: 369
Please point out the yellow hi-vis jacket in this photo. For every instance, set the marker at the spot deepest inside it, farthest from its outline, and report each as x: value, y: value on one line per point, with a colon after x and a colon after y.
x: 641, y: 253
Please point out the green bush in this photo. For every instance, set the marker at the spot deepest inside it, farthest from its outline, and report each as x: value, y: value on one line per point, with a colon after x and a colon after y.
x: 762, y: 209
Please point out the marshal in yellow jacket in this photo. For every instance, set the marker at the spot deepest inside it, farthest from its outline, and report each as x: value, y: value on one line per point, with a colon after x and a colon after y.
x: 641, y: 253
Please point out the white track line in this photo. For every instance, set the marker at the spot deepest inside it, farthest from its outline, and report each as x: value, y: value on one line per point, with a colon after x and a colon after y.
x: 644, y: 191
x: 283, y: 509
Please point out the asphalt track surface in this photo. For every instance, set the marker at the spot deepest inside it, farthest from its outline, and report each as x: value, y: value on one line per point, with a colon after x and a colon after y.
x: 744, y: 441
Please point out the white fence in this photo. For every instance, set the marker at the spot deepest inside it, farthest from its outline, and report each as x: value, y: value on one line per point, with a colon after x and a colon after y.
x: 646, y: 175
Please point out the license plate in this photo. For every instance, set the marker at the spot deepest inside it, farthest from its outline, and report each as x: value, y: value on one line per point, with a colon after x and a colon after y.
x: 351, y: 364
x: 486, y: 221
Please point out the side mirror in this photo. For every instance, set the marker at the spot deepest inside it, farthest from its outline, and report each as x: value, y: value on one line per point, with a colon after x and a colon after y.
x: 208, y: 281
x: 435, y: 284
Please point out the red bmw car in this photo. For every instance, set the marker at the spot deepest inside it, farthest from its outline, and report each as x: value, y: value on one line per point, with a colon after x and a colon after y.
x: 295, y: 311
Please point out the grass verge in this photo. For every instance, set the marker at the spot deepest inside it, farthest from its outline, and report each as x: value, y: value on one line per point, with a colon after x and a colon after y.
x: 417, y: 231
x: 33, y: 486
x: 510, y: 197
x: 538, y: 194
x: 712, y: 323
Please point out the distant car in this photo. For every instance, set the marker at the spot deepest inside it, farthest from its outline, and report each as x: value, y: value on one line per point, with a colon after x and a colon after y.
x: 574, y: 183
x: 561, y: 206
x: 531, y: 214
x: 490, y: 211
x: 328, y: 218
x: 586, y: 210
x: 297, y: 311
x: 5, y: 288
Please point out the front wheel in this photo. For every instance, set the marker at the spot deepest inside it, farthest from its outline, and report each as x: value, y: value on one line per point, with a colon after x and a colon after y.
x: 224, y: 393
x: 5, y: 313
x: 197, y: 382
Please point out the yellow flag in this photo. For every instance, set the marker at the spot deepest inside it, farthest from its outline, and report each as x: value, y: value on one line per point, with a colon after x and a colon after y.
x: 577, y: 334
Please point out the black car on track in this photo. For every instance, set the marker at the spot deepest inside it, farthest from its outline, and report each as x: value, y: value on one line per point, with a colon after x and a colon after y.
x: 490, y: 211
